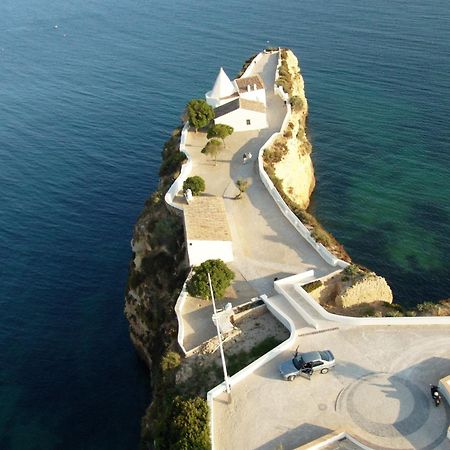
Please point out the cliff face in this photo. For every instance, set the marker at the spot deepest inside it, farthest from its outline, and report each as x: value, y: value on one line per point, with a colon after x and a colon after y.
x: 295, y: 169
x: 156, y: 273
x: 370, y: 289
x: 157, y: 269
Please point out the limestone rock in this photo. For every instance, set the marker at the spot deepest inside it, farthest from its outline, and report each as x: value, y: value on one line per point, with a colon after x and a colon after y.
x: 369, y: 289
x: 296, y: 170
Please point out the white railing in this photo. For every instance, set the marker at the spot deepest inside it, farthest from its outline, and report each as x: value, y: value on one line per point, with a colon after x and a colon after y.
x: 186, y: 170
x: 179, y: 312
x: 293, y: 219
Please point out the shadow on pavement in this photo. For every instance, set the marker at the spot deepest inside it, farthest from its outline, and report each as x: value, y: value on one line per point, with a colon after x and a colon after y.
x: 295, y: 437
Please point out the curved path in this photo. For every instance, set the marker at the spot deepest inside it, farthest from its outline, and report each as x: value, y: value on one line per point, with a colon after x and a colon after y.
x: 265, y: 244
x: 379, y: 388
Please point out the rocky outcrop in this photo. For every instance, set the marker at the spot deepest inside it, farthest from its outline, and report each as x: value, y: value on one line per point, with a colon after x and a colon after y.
x: 295, y: 169
x: 370, y: 288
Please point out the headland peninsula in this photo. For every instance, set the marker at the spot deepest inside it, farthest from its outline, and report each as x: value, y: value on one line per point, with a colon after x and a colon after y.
x: 235, y: 184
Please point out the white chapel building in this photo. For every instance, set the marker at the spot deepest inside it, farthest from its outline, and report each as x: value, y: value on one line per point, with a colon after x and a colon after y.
x: 240, y: 103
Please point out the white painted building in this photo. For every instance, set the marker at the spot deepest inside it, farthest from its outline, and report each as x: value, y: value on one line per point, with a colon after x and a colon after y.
x: 207, y: 232
x: 240, y: 104
x: 222, y: 92
x: 242, y: 115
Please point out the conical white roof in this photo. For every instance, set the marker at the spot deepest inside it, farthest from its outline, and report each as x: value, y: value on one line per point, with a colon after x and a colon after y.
x: 223, y: 87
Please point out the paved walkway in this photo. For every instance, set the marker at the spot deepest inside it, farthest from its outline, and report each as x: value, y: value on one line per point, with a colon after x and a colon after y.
x: 378, y: 391
x: 379, y: 388
x: 265, y: 244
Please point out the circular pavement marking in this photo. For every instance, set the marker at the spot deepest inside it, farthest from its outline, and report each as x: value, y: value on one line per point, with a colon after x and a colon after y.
x: 385, y: 405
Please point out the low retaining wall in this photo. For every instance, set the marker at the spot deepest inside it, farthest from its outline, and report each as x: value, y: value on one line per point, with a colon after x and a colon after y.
x: 297, y: 281
x: 186, y: 170
x: 293, y: 219
x: 178, y: 309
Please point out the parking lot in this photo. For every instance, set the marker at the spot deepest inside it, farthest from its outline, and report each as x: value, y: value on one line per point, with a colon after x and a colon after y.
x: 378, y: 391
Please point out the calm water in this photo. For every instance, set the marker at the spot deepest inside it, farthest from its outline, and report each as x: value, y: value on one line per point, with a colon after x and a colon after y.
x: 85, y: 108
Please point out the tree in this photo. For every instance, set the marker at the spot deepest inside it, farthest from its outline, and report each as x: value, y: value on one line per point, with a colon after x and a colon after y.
x: 170, y: 360
x: 199, y: 113
x: 242, y: 185
x: 221, y: 277
x: 221, y: 131
x: 196, y: 184
x: 212, y: 148
x: 189, y: 427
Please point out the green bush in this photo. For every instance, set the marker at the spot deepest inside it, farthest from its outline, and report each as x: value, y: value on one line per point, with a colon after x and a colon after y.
x: 309, y: 287
x: 171, y: 360
x: 172, y: 164
x: 221, y: 277
x: 196, y: 184
x: 165, y: 232
x: 189, y: 427
x: 199, y: 113
x: 368, y: 311
x: 239, y: 360
x: 427, y: 307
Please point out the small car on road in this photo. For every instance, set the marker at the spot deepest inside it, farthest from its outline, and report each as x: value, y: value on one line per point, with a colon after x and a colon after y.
x: 305, y: 364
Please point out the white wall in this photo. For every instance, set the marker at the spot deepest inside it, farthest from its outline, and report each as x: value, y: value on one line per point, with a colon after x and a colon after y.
x: 238, y: 120
x: 258, y: 96
x: 186, y: 169
x: 178, y: 311
x: 199, y: 251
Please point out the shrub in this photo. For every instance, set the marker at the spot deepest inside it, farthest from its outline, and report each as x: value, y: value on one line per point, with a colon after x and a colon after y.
x: 368, y: 311
x: 166, y: 231
x: 189, y: 427
x: 199, y: 113
x: 427, y: 307
x: 237, y: 361
x: 309, y: 287
x: 242, y: 185
x: 393, y: 313
x: 196, y: 184
x: 171, y: 360
x: 296, y: 103
x: 221, y: 277
x: 172, y: 164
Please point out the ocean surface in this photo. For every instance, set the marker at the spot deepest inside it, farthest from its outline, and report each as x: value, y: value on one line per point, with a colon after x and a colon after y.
x: 90, y: 90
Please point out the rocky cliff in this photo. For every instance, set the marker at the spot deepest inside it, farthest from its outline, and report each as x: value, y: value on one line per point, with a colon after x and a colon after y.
x: 295, y: 169
x: 157, y: 269
x: 369, y: 289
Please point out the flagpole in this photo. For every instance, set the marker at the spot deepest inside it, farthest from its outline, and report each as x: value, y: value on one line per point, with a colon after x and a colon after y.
x: 222, y: 355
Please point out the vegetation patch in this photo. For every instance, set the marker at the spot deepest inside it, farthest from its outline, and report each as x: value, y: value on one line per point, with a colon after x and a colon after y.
x: 199, y: 114
x: 276, y: 152
x: 246, y: 65
x: 189, y: 424
x: 196, y: 184
x: 309, y: 287
x: 239, y: 360
x: 221, y: 277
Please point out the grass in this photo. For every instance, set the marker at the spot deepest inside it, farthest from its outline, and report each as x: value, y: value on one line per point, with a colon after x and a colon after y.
x: 239, y: 360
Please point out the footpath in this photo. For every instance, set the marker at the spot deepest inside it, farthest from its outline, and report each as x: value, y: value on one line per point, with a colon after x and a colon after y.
x: 378, y: 389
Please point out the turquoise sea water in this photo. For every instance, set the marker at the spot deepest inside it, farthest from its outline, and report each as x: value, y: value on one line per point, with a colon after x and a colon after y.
x: 89, y: 92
